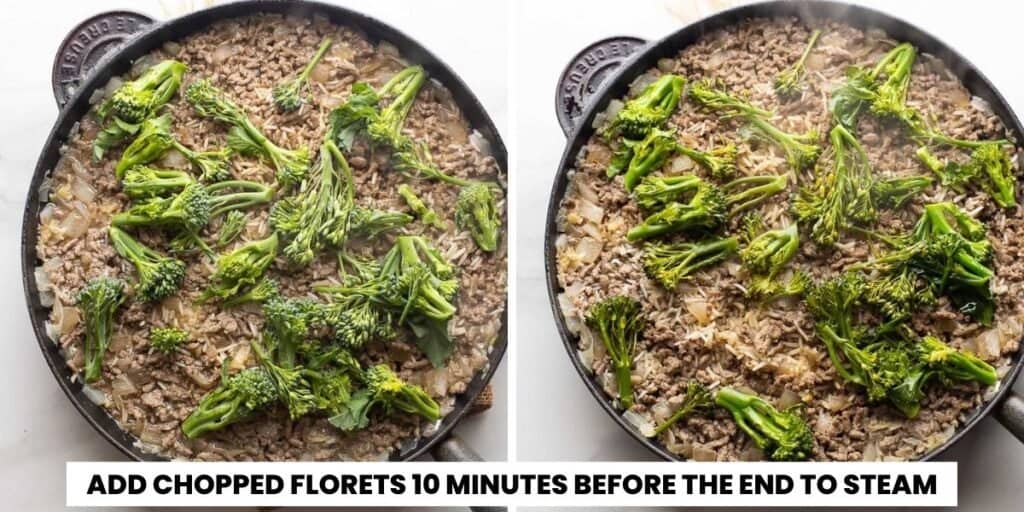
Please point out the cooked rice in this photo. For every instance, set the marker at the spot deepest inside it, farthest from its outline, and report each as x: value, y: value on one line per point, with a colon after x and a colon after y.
x: 147, y: 393
x: 707, y: 330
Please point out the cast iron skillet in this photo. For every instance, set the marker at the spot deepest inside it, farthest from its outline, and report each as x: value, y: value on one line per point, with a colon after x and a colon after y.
x: 604, y: 70
x: 105, y: 46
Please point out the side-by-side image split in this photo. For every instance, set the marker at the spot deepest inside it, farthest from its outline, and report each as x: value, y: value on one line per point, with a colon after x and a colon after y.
x: 519, y: 233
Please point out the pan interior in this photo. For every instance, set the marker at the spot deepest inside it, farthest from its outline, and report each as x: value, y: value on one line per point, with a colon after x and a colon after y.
x: 669, y: 48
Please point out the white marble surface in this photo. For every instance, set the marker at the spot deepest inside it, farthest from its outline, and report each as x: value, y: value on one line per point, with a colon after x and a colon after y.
x: 39, y: 428
x: 567, y: 424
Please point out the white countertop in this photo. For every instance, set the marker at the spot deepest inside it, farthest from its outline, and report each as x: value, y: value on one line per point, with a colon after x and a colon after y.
x: 40, y: 429
x: 567, y: 424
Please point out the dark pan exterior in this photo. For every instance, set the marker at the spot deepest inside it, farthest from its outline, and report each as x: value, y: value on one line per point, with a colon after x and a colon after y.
x: 119, y: 63
x: 618, y: 85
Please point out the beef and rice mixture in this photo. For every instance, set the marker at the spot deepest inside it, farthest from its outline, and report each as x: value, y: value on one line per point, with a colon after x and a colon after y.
x: 149, y: 394
x: 707, y: 330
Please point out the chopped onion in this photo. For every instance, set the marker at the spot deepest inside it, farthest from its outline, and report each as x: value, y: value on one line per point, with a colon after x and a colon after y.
x: 123, y: 386
x: 614, y: 107
x: 320, y: 73
x: 587, y: 192
x: 643, y: 425
x: 589, y: 250
x: 46, y: 214
x: 681, y: 163
x: 68, y: 318
x: 52, y: 332
x: 698, y: 307
x: 988, y: 344
x: 222, y: 52
x: 174, y: 159
x: 981, y: 104
x: 703, y: 454
x: 871, y: 452
x: 112, y: 85
x: 788, y: 399
x: 94, y: 395
x: 82, y: 190
x: 74, y: 224
x: 590, y: 211
x: 239, y: 358
x: 480, y: 143
x: 42, y: 279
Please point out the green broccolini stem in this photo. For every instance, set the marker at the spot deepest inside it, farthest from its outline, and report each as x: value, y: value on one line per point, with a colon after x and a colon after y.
x: 320, y: 52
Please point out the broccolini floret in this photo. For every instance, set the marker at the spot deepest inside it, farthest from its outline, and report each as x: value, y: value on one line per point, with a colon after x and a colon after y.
x: 244, y: 137
x: 640, y: 158
x: 192, y: 208
x: 697, y: 397
x: 233, y: 225
x: 706, y: 211
x: 370, y: 223
x: 156, y: 138
x: 385, y: 390
x: 801, y: 150
x: 134, y: 102
x: 657, y: 191
x: 647, y: 111
x: 839, y: 198
x: 288, y: 94
x: 167, y: 339
x: 782, y: 435
x: 895, y: 192
x: 948, y: 250
x: 98, y: 301
x: 648, y: 155
x: 476, y: 211
x: 866, y: 88
x: 955, y: 365
x: 263, y: 291
x: 426, y: 214
x: 159, y: 275
x: 383, y: 126
x: 619, y: 323
x: 241, y: 268
x: 671, y: 263
x: 142, y: 182
x: 417, y: 285
x: 765, y: 257
x: 319, y: 214
x: 988, y: 161
x: 237, y: 398
x: 787, y: 82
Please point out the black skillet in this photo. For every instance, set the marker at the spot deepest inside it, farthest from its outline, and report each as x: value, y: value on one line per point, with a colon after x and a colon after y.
x: 604, y: 70
x: 105, y: 46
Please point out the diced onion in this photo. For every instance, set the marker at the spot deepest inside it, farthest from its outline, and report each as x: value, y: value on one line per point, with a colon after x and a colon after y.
x: 82, y: 190
x: 222, y: 52
x: 123, y: 386
x: 589, y: 250
x: 643, y: 425
x: 988, y: 344
x: 703, y: 454
x: 698, y: 307
x: 94, y: 395
x: 480, y: 143
x: 590, y: 211
x: 681, y: 163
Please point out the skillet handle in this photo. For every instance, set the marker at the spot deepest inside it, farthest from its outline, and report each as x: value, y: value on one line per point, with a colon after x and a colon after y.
x: 1011, y: 414
x: 454, y: 449
x: 584, y: 74
x: 86, y: 45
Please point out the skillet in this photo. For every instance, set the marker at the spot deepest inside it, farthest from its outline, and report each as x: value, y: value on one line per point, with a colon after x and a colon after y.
x: 604, y: 70
x: 104, y: 46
